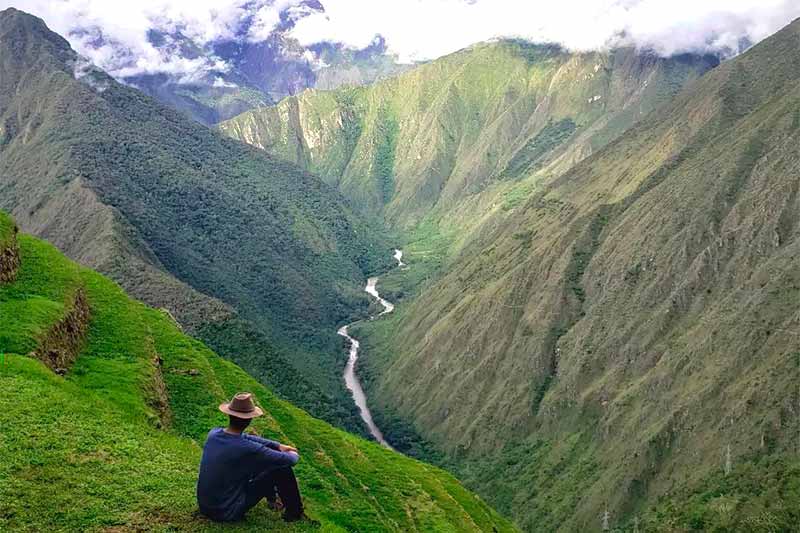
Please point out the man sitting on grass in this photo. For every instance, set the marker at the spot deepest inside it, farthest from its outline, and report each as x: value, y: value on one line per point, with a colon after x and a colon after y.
x: 238, y: 470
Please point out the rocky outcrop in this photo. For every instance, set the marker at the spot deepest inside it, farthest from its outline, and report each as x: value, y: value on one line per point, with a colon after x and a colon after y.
x: 9, y: 260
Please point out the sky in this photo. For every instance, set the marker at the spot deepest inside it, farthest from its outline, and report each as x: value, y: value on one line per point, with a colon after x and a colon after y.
x: 414, y: 30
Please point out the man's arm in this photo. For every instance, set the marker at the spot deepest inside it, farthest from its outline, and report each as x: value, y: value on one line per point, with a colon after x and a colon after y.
x: 271, y: 444
x: 271, y: 458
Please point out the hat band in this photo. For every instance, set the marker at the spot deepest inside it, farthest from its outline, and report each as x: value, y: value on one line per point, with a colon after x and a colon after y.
x: 247, y: 408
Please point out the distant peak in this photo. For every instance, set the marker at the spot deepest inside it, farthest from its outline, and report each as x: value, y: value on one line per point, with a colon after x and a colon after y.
x: 13, y: 16
x: 13, y: 13
x: 20, y: 30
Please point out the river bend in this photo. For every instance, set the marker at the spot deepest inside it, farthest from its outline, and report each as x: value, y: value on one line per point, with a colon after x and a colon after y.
x: 350, y: 376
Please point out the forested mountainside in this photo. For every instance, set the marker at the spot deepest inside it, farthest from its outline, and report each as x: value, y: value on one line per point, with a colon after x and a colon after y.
x: 247, y: 251
x: 106, y: 405
x: 627, y: 342
x: 483, y: 119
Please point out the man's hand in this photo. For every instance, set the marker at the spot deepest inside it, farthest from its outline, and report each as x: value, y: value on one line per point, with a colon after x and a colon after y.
x: 285, y: 448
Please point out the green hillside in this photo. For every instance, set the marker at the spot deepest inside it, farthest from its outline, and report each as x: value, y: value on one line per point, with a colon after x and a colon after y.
x: 446, y: 151
x: 233, y: 242
x: 106, y: 403
x: 480, y: 120
x: 628, y: 336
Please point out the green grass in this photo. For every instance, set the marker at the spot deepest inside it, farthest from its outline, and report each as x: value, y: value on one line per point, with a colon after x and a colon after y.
x: 6, y: 230
x: 757, y: 496
x: 93, y: 451
x: 426, y: 250
x: 35, y: 301
x: 554, y: 473
x: 517, y: 195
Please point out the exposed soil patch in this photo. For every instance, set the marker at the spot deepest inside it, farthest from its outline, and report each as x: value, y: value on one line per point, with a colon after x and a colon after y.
x: 9, y: 261
x: 158, y: 398
x: 59, y: 348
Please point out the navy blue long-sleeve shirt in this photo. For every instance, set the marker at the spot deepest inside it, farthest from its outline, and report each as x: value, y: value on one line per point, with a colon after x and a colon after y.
x: 229, y: 462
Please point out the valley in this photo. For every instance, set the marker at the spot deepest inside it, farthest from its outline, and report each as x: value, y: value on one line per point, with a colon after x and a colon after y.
x: 351, y: 379
x: 455, y: 141
x: 567, y: 278
x: 575, y: 267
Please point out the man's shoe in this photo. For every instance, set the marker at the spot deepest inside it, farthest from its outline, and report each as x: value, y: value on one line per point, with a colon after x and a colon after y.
x: 276, y: 505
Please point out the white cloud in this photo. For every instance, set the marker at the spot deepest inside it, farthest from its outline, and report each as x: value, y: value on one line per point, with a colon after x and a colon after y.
x: 124, y: 27
x: 413, y: 29
x: 85, y: 71
x: 315, y: 61
x: 221, y: 83
x: 266, y: 18
x: 425, y: 29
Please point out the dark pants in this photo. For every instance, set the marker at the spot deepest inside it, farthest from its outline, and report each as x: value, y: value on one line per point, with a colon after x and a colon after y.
x: 269, y: 485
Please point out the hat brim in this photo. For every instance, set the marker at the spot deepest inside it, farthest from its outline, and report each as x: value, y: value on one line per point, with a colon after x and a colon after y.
x: 226, y: 408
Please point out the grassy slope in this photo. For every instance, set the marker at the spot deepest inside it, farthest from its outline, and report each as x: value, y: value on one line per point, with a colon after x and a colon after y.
x: 84, y: 452
x: 182, y: 217
x: 631, y: 326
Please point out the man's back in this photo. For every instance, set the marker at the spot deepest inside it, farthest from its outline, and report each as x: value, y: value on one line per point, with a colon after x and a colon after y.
x: 229, y: 463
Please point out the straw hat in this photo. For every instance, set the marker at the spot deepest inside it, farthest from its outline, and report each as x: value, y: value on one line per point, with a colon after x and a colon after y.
x: 241, y: 406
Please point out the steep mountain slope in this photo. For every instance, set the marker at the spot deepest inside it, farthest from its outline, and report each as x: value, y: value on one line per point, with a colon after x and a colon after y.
x: 111, y: 440
x: 181, y: 217
x: 478, y: 120
x: 632, y: 330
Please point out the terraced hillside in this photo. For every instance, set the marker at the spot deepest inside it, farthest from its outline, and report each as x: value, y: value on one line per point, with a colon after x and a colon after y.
x: 484, y: 119
x: 234, y: 243
x: 631, y: 333
x: 106, y: 402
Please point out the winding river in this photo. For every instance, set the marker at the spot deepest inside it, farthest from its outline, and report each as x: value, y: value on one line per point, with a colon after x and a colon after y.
x: 350, y: 376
